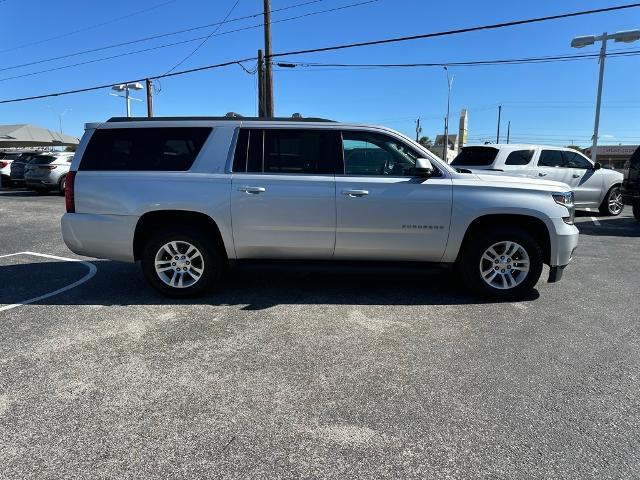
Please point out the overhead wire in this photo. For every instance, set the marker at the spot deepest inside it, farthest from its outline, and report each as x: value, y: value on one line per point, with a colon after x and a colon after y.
x: 337, y: 47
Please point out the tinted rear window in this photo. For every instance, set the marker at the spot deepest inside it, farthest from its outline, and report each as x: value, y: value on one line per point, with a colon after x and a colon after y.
x: 144, y: 149
x: 519, y: 157
x: 476, y: 156
x: 289, y: 151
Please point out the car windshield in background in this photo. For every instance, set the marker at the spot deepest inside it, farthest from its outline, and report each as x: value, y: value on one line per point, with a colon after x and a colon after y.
x: 475, y: 157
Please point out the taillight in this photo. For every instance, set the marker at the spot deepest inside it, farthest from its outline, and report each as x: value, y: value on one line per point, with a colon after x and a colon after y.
x: 3, y: 163
x: 69, y: 197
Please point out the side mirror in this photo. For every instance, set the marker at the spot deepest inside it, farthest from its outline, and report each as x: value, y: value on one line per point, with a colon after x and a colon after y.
x: 423, y: 168
x: 597, y: 166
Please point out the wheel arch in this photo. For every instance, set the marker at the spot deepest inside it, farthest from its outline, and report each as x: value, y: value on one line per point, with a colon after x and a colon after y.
x: 532, y: 225
x: 158, y: 220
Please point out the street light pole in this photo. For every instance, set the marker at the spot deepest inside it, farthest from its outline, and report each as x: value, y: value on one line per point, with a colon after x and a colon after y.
x: 596, y: 125
x: 445, y: 148
x: 628, y: 36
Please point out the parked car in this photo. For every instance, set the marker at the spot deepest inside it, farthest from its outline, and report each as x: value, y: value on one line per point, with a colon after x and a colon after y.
x: 188, y: 196
x: 48, y: 172
x: 631, y: 183
x: 6, y: 159
x: 593, y: 186
x: 16, y: 176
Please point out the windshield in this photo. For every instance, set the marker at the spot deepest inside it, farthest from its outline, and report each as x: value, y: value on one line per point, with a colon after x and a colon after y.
x: 475, y: 157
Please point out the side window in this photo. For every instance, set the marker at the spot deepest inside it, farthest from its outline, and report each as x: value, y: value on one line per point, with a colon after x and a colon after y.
x: 551, y: 158
x: 144, y: 149
x: 240, y: 155
x: 375, y: 154
x: 575, y: 160
x: 300, y: 151
x: 519, y: 157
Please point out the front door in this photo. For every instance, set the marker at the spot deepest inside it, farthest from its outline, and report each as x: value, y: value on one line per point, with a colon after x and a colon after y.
x: 384, y: 211
x: 586, y: 182
x: 551, y: 166
x: 283, y: 193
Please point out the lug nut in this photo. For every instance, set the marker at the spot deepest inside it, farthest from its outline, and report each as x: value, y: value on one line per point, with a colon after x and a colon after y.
x: 183, y: 257
x: 188, y: 262
x: 173, y: 264
x: 497, y: 268
x: 502, y: 271
x: 177, y: 257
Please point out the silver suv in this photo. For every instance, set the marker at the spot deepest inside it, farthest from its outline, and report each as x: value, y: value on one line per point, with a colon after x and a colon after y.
x: 48, y: 172
x: 186, y: 196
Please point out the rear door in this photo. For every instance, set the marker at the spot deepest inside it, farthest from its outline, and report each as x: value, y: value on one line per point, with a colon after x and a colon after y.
x: 551, y: 166
x: 283, y: 193
x: 384, y: 211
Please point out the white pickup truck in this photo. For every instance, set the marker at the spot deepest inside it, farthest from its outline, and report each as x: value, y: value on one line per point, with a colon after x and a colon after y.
x: 187, y: 196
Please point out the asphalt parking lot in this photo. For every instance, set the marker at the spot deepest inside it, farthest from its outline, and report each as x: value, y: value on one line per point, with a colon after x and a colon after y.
x: 332, y: 375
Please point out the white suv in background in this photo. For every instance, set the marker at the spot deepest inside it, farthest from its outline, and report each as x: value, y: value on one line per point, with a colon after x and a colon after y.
x: 593, y: 186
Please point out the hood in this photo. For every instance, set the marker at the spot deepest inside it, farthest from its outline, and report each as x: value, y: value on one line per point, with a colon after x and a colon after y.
x: 503, y: 180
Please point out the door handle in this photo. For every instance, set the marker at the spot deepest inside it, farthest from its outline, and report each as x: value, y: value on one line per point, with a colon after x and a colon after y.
x: 355, y: 193
x: 542, y: 174
x: 576, y: 175
x: 252, y: 190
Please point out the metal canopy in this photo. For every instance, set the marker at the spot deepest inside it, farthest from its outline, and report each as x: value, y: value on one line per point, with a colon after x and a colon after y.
x: 32, y: 136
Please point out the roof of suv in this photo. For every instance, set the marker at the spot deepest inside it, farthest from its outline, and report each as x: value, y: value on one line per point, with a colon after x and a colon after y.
x: 518, y: 146
x: 217, y: 119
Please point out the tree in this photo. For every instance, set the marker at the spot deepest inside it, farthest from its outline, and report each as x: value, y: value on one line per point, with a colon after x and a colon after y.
x: 425, y: 141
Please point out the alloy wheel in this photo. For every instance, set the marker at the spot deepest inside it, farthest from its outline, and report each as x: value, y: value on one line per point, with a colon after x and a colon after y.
x: 615, y: 202
x: 179, y: 264
x: 504, y: 265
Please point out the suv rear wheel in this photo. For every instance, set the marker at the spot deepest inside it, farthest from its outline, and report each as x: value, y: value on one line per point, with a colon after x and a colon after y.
x: 612, y: 204
x: 62, y: 185
x: 503, y: 262
x: 181, y: 264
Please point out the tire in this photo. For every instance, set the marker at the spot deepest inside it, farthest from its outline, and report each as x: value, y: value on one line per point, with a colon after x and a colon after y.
x: 61, y: 185
x: 210, y: 261
x: 612, y: 205
x: 636, y: 210
x: 475, y: 257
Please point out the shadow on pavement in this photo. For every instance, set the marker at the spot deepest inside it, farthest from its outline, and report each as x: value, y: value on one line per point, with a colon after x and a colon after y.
x: 118, y: 283
x: 622, y: 226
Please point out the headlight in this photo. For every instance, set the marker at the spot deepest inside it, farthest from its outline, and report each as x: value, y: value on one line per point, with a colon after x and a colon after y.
x: 566, y: 200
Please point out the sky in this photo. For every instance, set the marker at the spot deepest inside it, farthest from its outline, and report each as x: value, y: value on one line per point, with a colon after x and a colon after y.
x: 550, y: 103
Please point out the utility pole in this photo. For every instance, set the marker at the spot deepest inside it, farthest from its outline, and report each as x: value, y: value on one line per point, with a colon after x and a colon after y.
x: 596, y: 126
x: 268, y: 83
x: 149, y: 98
x: 508, y: 130
x: 499, y: 113
x: 261, y: 102
x: 445, y: 151
x: 418, y: 129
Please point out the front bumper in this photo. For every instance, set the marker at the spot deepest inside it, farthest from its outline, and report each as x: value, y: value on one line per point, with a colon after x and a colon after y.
x: 564, y: 242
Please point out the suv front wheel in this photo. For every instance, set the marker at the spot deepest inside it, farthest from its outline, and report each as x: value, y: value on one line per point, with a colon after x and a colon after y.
x: 181, y: 264
x: 502, y: 262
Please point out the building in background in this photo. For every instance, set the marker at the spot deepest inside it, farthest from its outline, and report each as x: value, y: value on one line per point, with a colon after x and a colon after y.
x: 613, y: 156
x: 456, y: 142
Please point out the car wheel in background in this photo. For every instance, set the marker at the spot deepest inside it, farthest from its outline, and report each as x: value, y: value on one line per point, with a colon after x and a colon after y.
x: 502, y: 262
x: 181, y: 264
x: 612, y: 204
x: 62, y: 185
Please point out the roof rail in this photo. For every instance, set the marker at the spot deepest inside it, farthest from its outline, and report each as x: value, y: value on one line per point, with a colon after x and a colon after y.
x: 217, y: 119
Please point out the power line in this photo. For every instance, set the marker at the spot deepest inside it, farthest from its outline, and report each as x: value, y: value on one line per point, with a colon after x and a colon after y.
x: 111, y: 57
x: 108, y: 85
x: 450, y: 32
x: 458, y: 31
x: 224, y: 20
x: 512, y: 61
x: 161, y: 35
x: 90, y: 27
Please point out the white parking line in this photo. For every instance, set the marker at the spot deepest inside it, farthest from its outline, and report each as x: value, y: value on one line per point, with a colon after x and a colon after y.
x: 92, y: 271
x: 595, y: 220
